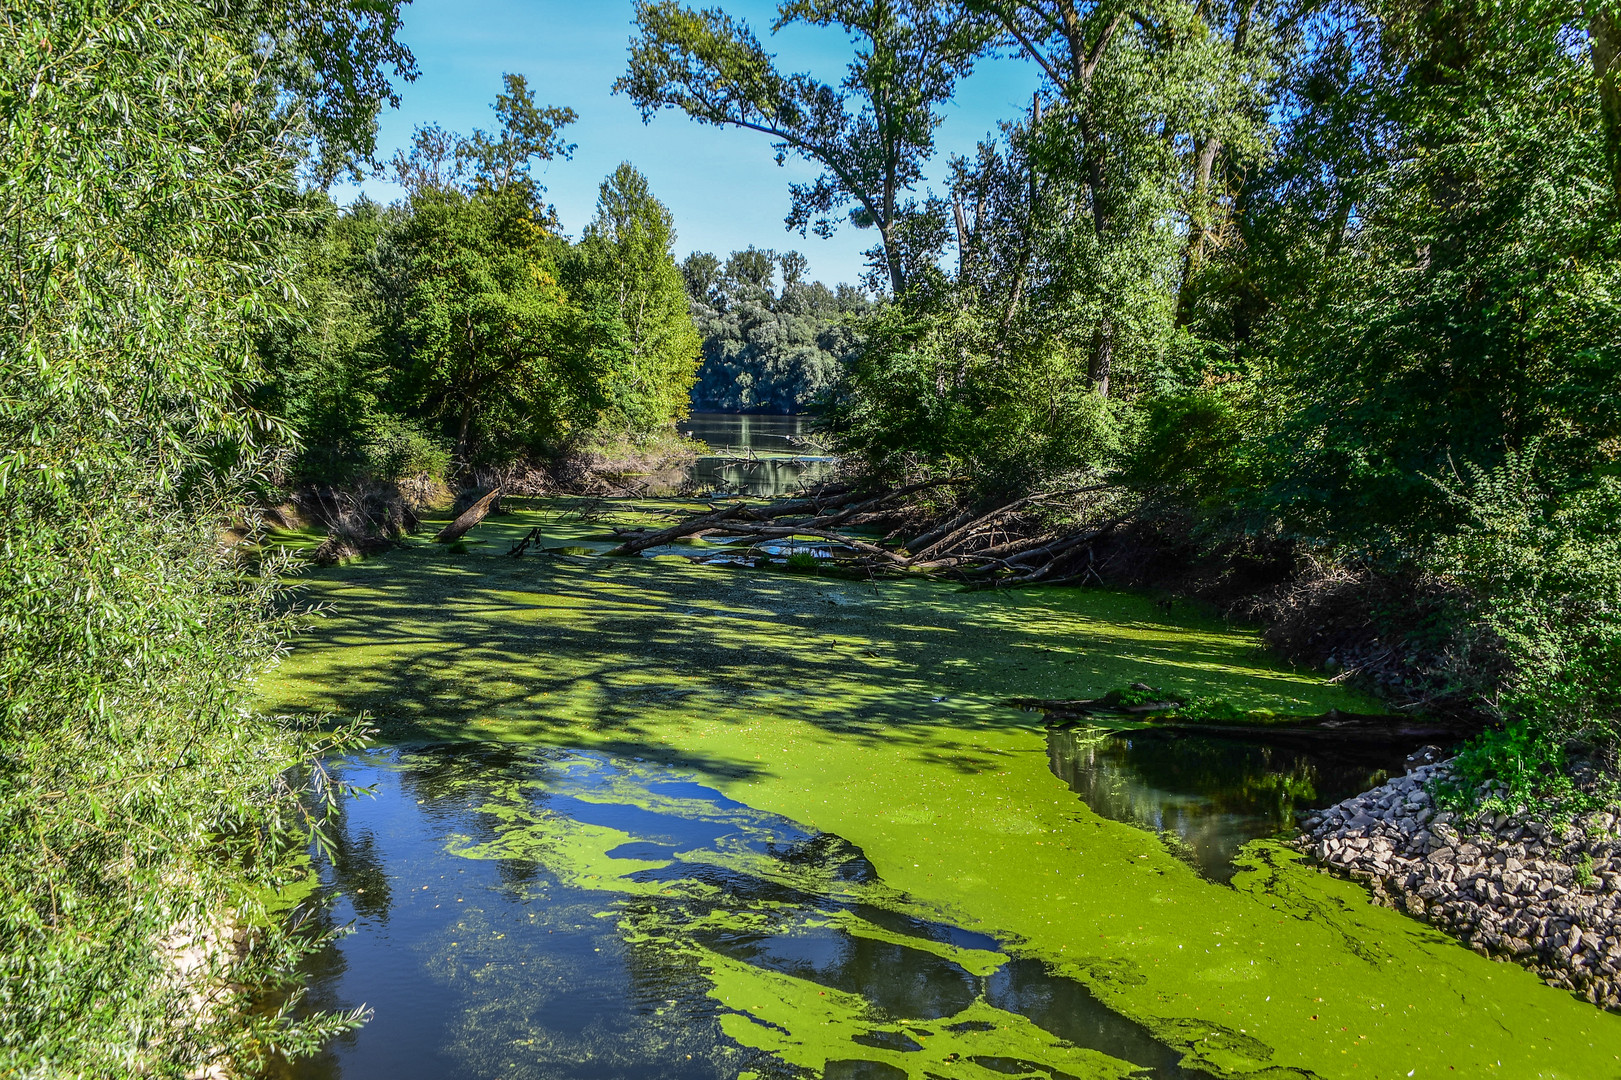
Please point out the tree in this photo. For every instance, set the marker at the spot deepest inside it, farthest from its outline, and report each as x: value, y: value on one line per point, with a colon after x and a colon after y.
x: 765, y: 350
x: 910, y: 56
x: 1143, y: 102
x: 482, y: 319
x: 643, y: 344
x: 483, y: 316
x: 440, y: 159
x: 151, y: 156
x: 1464, y: 264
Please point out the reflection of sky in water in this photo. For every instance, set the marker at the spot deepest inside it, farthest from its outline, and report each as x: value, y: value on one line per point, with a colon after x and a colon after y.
x: 508, y: 967
x: 1211, y: 795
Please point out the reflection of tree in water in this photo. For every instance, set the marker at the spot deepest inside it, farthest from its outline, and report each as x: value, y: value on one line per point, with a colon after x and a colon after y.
x: 357, y: 870
x: 1211, y: 795
x: 446, y: 774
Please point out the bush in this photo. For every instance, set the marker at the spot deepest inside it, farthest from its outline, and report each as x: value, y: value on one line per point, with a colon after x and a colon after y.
x: 142, y: 801
x: 1544, y: 569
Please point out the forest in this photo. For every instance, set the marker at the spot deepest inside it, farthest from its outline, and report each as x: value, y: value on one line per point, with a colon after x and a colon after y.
x: 1318, y: 295
x: 1304, y: 309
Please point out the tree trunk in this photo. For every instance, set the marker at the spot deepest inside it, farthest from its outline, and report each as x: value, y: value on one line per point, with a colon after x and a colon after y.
x: 469, y: 518
x: 1605, y: 31
x: 1198, y: 226
x: 892, y: 259
x: 962, y: 239
x: 464, y: 449
x: 1102, y: 356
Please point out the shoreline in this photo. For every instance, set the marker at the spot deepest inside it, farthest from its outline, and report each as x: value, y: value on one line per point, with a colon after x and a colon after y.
x: 1510, y: 889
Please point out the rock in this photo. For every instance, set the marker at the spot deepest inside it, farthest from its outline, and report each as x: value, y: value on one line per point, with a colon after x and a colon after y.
x: 1498, y: 889
x: 1424, y: 755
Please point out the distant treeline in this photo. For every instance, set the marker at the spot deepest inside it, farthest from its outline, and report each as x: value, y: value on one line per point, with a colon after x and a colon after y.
x: 767, y: 349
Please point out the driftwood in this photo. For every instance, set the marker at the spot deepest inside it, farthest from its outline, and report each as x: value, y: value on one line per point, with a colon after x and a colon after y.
x: 1012, y: 543
x: 469, y: 518
x: 1333, y: 725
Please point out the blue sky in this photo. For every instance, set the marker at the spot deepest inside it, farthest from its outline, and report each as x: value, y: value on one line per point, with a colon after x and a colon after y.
x: 724, y: 188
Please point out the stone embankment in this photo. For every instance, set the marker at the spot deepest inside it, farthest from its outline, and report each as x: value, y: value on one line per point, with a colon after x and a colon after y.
x: 1549, y: 899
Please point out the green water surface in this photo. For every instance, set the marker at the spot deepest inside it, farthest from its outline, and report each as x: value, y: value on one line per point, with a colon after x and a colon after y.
x: 870, y: 713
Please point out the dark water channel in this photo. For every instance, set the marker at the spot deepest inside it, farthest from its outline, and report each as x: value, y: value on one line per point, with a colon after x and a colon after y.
x: 522, y: 966
x: 755, y: 455
x: 1209, y: 797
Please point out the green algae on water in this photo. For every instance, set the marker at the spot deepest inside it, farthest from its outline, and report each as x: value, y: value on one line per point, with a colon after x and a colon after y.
x: 870, y: 713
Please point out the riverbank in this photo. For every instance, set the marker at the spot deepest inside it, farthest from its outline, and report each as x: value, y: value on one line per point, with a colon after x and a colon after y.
x: 1545, y: 898
x: 874, y: 714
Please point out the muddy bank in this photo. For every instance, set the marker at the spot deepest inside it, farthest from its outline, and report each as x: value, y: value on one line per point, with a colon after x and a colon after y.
x: 1550, y: 900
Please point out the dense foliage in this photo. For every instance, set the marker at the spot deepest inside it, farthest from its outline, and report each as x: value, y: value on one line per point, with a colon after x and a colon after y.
x: 460, y: 327
x: 767, y: 349
x: 151, y: 157
x: 1332, y: 277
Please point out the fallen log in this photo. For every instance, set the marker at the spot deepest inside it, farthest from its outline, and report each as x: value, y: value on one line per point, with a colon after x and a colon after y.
x: 635, y: 545
x: 1009, y: 540
x: 786, y: 532
x: 964, y: 531
x: 819, y: 511
x: 898, y: 493
x: 469, y: 518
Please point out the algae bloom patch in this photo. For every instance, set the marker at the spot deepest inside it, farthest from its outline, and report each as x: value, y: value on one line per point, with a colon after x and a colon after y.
x: 545, y: 912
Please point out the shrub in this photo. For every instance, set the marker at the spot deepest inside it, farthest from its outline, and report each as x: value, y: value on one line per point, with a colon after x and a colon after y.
x: 1544, y: 569
x: 150, y: 157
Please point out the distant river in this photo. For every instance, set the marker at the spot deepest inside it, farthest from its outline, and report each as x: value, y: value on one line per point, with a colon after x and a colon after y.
x: 755, y: 455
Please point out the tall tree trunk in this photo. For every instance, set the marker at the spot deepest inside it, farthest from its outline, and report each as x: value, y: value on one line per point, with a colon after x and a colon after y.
x: 892, y: 258
x: 1605, y: 31
x: 961, y: 219
x: 464, y: 449
x: 1102, y: 356
x: 1198, y: 226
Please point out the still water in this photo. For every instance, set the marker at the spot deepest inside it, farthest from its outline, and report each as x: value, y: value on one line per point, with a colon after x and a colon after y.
x: 755, y: 455
x: 535, y: 913
x: 1209, y: 797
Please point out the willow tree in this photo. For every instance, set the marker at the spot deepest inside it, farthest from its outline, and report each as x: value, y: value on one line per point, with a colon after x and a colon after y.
x: 151, y: 157
x: 872, y: 134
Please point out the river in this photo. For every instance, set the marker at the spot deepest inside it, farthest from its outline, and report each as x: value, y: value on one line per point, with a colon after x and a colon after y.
x: 762, y: 455
x: 665, y: 818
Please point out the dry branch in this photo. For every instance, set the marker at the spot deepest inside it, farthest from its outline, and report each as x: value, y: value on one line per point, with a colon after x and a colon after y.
x: 1010, y: 540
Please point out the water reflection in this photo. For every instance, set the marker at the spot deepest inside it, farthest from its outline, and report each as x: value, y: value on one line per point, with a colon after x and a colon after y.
x: 755, y: 455
x: 733, y: 432
x: 1209, y: 797
x: 544, y: 913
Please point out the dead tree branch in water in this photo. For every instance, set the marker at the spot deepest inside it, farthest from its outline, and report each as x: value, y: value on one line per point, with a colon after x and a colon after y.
x: 469, y: 518
x: 1040, y: 538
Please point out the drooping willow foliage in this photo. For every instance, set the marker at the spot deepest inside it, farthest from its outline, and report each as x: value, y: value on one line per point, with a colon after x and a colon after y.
x: 151, y: 158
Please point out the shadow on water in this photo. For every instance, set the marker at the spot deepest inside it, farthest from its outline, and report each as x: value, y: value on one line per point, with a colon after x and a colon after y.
x: 1208, y: 797
x: 531, y: 912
